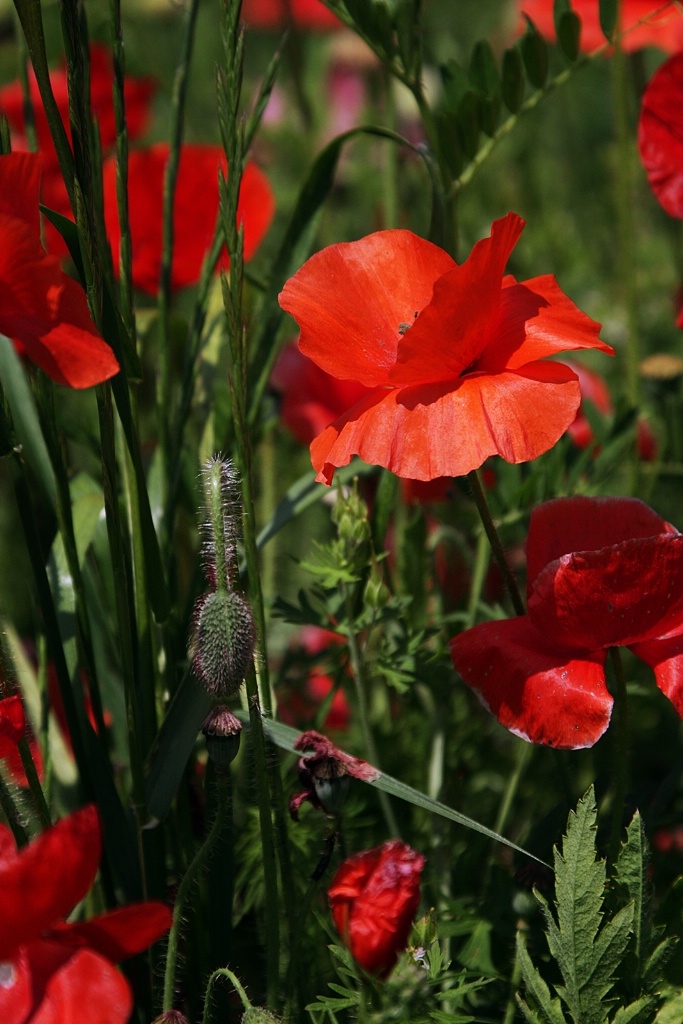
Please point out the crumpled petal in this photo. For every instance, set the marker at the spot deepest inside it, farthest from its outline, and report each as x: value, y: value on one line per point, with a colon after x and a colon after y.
x: 540, y: 693
x: 450, y: 428
x: 43, y: 882
x: 660, y: 134
x: 351, y: 301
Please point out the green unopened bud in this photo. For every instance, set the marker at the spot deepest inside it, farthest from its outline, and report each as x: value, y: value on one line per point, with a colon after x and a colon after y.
x: 350, y: 514
x: 259, y: 1015
x: 223, y: 732
x: 376, y: 594
x: 223, y: 643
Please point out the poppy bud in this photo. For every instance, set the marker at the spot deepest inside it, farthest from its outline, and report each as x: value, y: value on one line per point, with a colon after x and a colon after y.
x: 222, y: 731
x: 350, y: 515
x: 171, y: 1017
x: 223, y: 644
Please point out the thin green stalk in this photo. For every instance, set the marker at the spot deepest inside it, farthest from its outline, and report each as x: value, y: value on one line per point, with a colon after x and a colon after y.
x: 620, y: 761
x: 125, y: 245
x: 12, y: 815
x: 482, y: 560
x: 494, y: 540
x: 189, y: 880
x: 522, y: 754
x: 37, y: 794
x: 223, y: 972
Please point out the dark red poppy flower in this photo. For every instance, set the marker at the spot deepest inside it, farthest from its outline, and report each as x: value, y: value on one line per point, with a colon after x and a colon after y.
x: 453, y: 355
x: 601, y: 573
x: 660, y: 134
x: 137, y: 94
x: 13, y: 727
x: 664, y: 31
x: 50, y: 971
x: 374, y: 897
x: 322, y: 772
x: 43, y: 310
x: 277, y: 14
x: 300, y: 699
x: 194, y: 214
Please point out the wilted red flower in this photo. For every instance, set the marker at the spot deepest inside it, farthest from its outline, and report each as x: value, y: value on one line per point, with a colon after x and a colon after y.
x: 374, y: 897
x: 51, y: 971
x: 453, y: 354
x: 664, y: 31
x: 660, y: 134
x: 137, y: 94
x: 321, y: 771
x: 601, y: 573
x: 194, y: 214
x: 277, y: 14
x: 43, y: 310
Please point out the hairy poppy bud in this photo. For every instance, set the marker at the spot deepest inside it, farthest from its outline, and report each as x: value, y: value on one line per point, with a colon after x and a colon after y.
x: 259, y: 1015
x: 223, y: 643
x: 222, y: 731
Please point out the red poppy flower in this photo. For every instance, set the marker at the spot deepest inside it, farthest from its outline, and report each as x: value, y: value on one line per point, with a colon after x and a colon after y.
x: 660, y: 134
x: 194, y: 215
x: 601, y: 572
x: 43, y: 310
x: 276, y: 14
x: 300, y: 699
x: 137, y: 94
x: 594, y: 388
x: 52, y: 972
x: 12, y: 724
x: 452, y: 354
x: 664, y: 31
x: 321, y: 773
x: 373, y: 898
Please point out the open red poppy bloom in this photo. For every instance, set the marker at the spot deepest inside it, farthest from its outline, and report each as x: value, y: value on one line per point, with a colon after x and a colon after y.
x: 194, y: 213
x: 137, y: 95
x: 453, y: 355
x: 374, y: 897
x: 277, y: 14
x: 664, y: 31
x: 43, y: 310
x: 660, y: 134
x: 52, y: 972
x: 601, y: 573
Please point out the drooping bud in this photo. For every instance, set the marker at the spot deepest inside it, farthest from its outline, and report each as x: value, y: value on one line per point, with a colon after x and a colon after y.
x: 222, y: 731
x: 223, y: 642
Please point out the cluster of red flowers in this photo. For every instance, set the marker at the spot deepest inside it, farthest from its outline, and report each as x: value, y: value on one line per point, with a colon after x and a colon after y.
x: 601, y: 573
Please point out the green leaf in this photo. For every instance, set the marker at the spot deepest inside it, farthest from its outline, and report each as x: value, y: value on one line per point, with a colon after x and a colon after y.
x: 609, y: 11
x: 639, y: 1012
x: 569, y: 34
x: 672, y: 1011
x: 631, y: 877
x: 546, y: 1009
x: 512, y: 80
x: 534, y: 50
x: 483, y: 73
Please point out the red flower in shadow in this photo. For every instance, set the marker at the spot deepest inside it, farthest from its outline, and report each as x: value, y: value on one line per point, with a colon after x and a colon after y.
x: 137, y: 94
x: 13, y: 727
x: 301, y: 697
x: 43, y: 310
x: 374, y: 897
x: 194, y: 214
x: 601, y: 573
x: 664, y: 31
x: 277, y: 14
x: 453, y: 355
x: 660, y: 134
x: 50, y: 971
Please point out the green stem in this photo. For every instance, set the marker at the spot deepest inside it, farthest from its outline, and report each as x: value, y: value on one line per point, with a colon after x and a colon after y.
x: 621, y: 733
x: 522, y: 754
x: 12, y: 815
x: 189, y: 879
x: 494, y: 540
x: 34, y: 783
x: 223, y: 972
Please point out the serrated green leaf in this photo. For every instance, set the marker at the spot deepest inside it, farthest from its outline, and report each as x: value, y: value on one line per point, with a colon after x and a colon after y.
x: 639, y: 1012
x: 512, y: 80
x: 672, y: 1011
x: 534, y: 50
x: 607, y: 956
x: 631, y: 877
x: 546, y: 1010
x: 609, y: 10
x: 654, y: 966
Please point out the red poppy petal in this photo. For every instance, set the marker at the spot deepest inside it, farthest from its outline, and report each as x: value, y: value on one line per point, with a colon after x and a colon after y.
x: 12, y: 719
x: 20, y: 189
x: 118, y: 934
x: 47, y: 878
x: 535, y: 690
x: 666, y: 31
x: 456, y: 326
x: 16, y: 998
x: 660, y: 134
x: 46, y: 311
x: 450, y: 428
x: 665, y: 658
x: 352, y: 299
x: 563, y: 525
x: 277, y: 13
x: 537, y: 320
x: 619, y: 595
x: 84, y: 987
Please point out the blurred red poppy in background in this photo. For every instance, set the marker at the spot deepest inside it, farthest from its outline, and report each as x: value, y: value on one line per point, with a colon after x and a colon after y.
x: 138, y: 93
x: 50, y: 971
x: 300, y: 699
x: 374, y: 897
x: 277, y: 14
x: 601, y: 573
x: 664, y: 31
x: 594, y: 389
x: 194, y: 213
x: 43, y: 310
x: 660, y: 134
x: 452, y: 354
